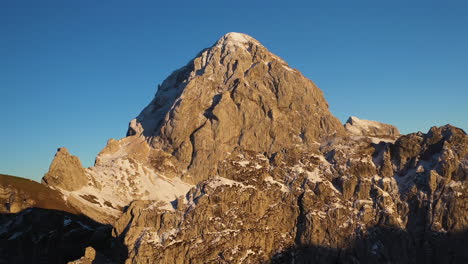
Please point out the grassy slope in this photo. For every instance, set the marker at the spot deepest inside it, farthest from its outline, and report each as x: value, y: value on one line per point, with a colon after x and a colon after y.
x: 43, y: 196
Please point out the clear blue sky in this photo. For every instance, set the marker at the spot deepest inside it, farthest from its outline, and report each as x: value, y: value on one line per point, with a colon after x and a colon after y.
x: 75, y: 74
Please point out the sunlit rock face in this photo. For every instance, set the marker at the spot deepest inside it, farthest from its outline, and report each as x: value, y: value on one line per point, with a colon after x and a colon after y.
x: 347, y: 195
x: 235, y: 94
x: 65, y: 172
x: 237, y: 159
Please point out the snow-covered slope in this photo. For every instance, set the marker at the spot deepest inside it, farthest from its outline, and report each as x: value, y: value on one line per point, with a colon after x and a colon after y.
x: 363, y: 127
x: 118, y: 177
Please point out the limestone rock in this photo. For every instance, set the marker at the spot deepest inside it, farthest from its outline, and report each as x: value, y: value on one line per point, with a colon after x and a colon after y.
x: 238, y: 94
x: 88, y: 258
x: 65, y: 172
x: 122, y: 173
x: 286, y: 209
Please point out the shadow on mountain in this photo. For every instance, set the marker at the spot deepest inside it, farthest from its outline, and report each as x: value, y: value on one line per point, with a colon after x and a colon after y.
x: 385, y: 245
x: 152, y: 117
x: 37, y: 235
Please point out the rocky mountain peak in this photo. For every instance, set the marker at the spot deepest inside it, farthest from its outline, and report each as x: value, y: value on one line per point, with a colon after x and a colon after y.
x: 233, y: 98
x: 236, y: 94
x: 234, y: 38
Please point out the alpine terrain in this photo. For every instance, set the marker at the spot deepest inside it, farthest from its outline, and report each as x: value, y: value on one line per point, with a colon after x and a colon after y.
x: 237, y: 159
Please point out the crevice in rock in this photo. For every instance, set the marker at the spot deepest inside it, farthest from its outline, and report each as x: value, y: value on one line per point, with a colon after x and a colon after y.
x: 300, y: 221
x: 192, y: 142
x: 209, y: 112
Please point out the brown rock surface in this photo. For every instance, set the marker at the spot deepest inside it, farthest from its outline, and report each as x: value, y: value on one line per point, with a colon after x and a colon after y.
x: 309, y: 206
x: 88, y: 258
x: 65, y: 172
x: 238, y: 94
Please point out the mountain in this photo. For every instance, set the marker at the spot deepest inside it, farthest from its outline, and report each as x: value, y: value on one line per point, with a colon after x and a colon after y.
x: 237, y: 159
x: 234, y: 95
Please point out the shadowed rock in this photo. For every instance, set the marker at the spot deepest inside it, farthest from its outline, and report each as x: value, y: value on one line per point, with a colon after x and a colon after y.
x: 37, y: 235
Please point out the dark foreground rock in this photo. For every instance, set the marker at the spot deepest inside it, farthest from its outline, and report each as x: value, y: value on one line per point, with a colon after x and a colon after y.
x: 37, y: 235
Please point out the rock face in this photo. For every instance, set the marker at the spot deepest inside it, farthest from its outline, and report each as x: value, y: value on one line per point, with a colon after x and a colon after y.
x: 118, y: 177
x: 290, y: 207
x: 235, y: 94
x: 91, y: 257
x: 238, y: 94
x: 88, y: 258
x: 361, y: 127
x: 65, y: 172
x: 238, y: 160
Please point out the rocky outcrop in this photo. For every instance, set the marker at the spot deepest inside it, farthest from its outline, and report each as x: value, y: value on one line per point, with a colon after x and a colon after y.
x: 93, y: 257
x: 338, y: 202
x: 432, y: 168
x: 118, y: 177
x: 65, y: 172
x: 360, y: 127
x: 88, y: 258
x: 75, y: 183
